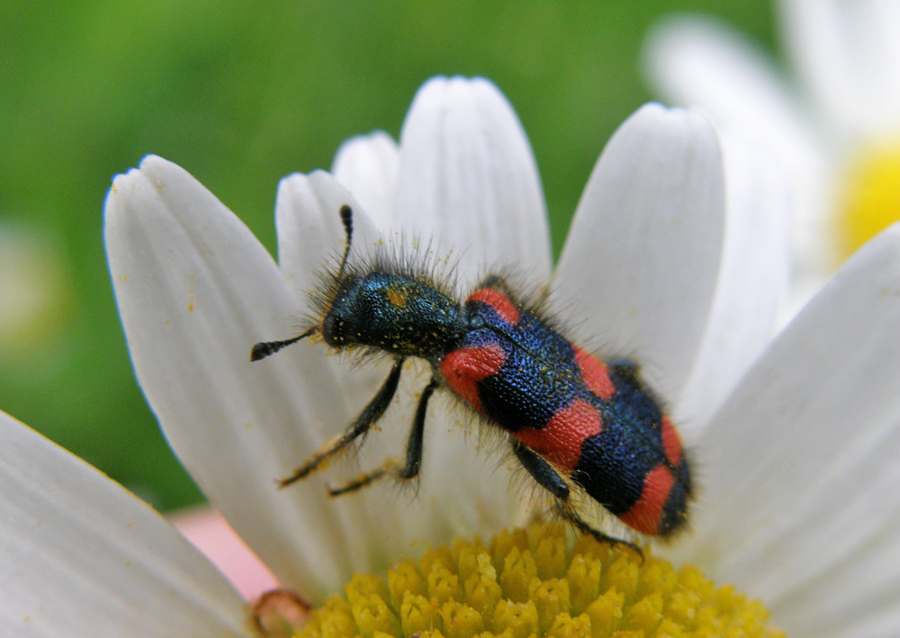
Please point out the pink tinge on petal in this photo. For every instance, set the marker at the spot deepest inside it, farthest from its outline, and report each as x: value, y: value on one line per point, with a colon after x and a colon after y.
x: 205, y: 528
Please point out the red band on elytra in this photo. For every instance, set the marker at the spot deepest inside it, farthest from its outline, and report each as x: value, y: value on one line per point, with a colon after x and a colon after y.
x: 646, y: 514
x: 594, y: 374
x: 464, y: 368
x: 560, y: 440
x: 499, y: 302
x: 671, y: 441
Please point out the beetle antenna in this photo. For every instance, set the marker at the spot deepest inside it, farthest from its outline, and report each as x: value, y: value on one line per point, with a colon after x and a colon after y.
x: 264, y: 348
x: 347, y: 220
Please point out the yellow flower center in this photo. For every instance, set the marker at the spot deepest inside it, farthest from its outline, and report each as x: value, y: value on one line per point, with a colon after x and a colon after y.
x: 870, y: 199
x: 537, y: 583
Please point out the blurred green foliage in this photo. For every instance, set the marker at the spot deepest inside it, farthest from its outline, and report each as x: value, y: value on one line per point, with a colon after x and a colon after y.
x: 241, y: 94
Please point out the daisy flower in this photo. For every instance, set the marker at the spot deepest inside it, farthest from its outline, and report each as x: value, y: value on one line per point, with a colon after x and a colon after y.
x: 832, y: 118
x: 189, y: 275
x: 799, y: 453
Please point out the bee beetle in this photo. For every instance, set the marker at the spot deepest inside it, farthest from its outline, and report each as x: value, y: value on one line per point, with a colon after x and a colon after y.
x: 573, y: 421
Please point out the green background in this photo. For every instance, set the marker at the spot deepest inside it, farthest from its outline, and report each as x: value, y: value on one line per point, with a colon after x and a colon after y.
x: 241, y: 94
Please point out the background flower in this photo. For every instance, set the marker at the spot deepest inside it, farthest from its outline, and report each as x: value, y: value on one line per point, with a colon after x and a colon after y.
x: 833, y: 120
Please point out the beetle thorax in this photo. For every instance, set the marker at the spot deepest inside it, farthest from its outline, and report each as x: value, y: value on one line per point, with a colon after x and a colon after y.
x: 395, y: 313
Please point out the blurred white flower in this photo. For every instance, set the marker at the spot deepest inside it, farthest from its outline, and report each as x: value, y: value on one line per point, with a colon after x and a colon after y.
x: 832, y: 119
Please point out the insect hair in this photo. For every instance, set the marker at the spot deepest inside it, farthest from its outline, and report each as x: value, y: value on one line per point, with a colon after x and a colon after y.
x: 399, y: 256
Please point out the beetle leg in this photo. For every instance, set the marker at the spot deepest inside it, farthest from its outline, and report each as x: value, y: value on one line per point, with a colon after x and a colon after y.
x: 368, y: 417
x: 549, y: 479
x: 414, y: 446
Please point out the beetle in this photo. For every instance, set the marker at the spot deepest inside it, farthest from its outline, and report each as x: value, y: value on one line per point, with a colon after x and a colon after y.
x: 573, y: 421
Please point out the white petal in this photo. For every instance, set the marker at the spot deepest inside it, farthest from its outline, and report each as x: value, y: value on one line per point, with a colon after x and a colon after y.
x: 195, y: 290
x: 468, y: 180
x: 694, y: 61
x: 752, y: 282
x: 849, y: 56
x: 800, y: 487
x: 368, y: 166
x: 82, y: 556
x: 311, y: 236
x: 640, y: 264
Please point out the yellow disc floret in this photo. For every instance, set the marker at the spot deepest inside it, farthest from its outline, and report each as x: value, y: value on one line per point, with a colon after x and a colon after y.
x: 871, y: 197
x: 536, y: 582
